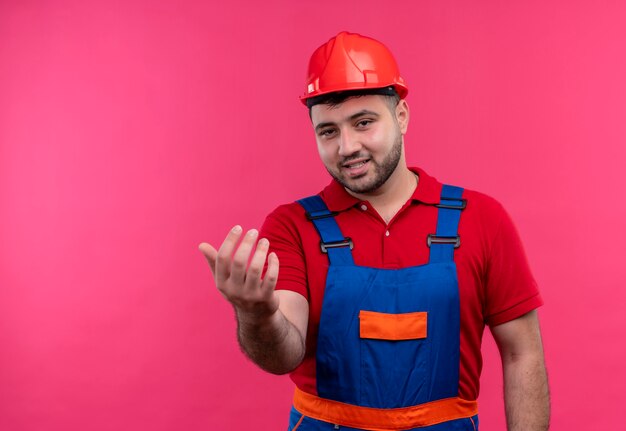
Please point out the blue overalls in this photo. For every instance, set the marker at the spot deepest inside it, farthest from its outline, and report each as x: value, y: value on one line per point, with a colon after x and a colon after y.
x: 388, y: 343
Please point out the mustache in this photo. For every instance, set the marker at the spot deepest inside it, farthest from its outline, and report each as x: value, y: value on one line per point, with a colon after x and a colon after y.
x: 355, y: 156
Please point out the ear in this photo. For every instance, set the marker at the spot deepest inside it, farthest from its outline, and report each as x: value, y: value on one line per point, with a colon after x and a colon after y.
x: 402, y: 115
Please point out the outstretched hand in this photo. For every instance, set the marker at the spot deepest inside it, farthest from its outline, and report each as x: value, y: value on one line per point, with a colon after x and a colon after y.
x: 241, y: 284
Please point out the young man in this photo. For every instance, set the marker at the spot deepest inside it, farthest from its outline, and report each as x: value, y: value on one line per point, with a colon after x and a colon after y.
x: 387, y: 277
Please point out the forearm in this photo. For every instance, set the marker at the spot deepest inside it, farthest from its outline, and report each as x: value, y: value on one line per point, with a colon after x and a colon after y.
x: 526, y: 393
x: 274, y: 343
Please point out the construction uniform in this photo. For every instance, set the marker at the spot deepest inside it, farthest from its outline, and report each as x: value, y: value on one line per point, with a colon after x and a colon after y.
x: 386, y: 346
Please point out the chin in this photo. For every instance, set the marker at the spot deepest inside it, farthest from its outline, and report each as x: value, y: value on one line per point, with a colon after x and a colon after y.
x: 361, y: 187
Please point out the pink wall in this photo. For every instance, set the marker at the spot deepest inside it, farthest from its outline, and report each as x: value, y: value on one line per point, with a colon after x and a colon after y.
x: 131, y: 131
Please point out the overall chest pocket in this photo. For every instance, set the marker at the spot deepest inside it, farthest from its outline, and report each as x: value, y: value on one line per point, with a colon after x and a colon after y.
x: 391, y: 326
x: 394, y: 358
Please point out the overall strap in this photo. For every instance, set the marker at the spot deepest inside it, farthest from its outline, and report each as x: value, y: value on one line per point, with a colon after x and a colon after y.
x: 332, y: 240
x: 443, y: 243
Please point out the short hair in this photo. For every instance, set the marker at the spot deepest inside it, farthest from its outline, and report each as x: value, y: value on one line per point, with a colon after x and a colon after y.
x: 337, y: 98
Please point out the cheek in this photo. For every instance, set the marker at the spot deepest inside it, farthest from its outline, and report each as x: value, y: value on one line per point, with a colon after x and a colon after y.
x: 326, y: 151
x: 383, y: 138
x: 377, y: 141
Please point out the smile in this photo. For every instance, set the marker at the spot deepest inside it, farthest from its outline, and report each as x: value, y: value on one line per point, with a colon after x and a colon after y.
x: 355, y: 164
x: 357, y: 168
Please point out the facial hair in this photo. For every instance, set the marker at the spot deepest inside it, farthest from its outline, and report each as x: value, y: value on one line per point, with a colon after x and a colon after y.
x: 382, y: 171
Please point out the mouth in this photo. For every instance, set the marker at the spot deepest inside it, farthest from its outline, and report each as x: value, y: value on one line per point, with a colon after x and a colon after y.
x: 356, y: 167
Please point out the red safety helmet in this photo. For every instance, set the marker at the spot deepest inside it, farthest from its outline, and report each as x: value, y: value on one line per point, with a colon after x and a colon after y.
x: 350, y: 61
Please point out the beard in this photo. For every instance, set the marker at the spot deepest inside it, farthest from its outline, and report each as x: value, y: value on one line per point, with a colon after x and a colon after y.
x: 382, y: 171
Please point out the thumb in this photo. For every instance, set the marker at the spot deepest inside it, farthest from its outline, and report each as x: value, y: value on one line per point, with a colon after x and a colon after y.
x: 210, y: 253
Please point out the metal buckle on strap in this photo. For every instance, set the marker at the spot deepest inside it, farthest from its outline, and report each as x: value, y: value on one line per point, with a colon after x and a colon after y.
x: 453, y: 203
x: 434, y: 239
x: 317, y: 216
x: 347, y: 242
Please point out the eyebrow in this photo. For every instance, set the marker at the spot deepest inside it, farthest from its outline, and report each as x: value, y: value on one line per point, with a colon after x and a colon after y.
x: 352, y: 117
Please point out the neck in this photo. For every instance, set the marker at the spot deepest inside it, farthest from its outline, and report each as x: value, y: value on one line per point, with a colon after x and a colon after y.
x: 391, y: 196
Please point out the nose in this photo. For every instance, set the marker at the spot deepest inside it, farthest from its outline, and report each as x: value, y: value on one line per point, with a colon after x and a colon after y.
x: 349, y: 142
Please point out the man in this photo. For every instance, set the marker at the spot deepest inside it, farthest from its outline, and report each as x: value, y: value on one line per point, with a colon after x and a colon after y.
x: 387, y: 277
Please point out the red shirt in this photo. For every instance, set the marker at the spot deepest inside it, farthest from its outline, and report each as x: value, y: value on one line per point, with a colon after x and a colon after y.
x: 495, y: 282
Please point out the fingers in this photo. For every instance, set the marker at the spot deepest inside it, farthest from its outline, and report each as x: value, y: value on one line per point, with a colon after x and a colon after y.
x: 242, y: 256
x: 253, y: 276
x: 210, y: 253
x: 232, y: 265
x: 225, y: 253
x: 271, y: 275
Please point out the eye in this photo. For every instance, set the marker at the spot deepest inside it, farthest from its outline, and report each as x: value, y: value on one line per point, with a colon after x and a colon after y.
x: 364, y: 123
x: 326, y: 133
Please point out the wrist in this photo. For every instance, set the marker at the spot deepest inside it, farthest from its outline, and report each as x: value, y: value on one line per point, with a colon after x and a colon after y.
x: 256, y: 319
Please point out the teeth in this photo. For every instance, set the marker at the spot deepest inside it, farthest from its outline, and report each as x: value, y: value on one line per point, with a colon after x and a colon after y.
x: 356, y: 165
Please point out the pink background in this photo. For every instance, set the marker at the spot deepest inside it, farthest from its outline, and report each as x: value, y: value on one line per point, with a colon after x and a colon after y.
x: 132, y: 131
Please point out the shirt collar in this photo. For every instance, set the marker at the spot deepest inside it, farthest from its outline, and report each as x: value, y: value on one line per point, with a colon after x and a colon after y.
x: 428, y: 191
